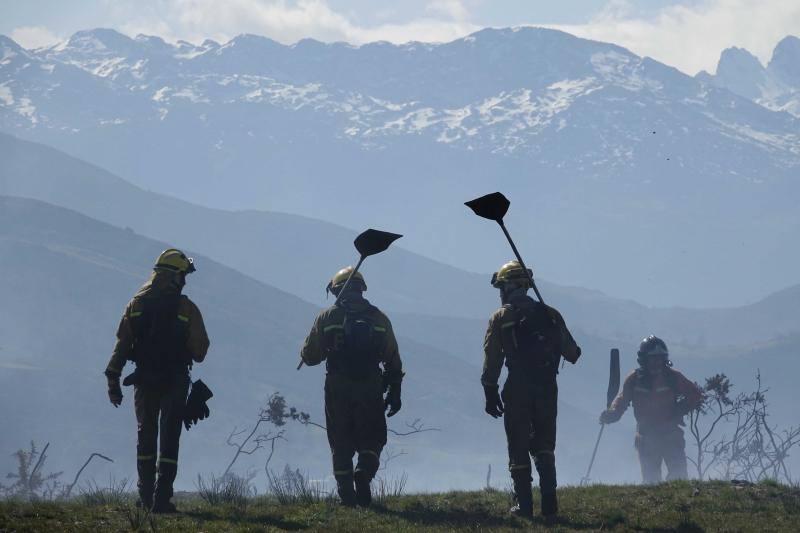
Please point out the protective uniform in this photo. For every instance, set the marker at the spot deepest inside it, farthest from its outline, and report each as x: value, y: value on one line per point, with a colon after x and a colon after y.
x: 353, y: 337
x: 659, y: 404
x: 530, y: 338
x: 162, y: 332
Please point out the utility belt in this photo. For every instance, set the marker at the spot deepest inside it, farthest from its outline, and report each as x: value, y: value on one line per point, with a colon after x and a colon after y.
x: 338, y: 364
x: 516, y: 362
x: 157, y: 379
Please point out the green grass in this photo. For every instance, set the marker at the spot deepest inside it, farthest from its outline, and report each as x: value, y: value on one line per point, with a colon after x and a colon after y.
x: 684, y: 506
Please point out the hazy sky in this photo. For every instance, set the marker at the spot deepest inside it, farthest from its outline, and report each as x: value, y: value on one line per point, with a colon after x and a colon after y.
x: 688, y: 34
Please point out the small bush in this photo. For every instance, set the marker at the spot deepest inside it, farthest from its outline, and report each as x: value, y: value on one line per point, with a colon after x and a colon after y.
x: 229, y: 489
x: 140, y: 519
x: 292, y: 486
x: 383, y: 489
x: 116, y: 493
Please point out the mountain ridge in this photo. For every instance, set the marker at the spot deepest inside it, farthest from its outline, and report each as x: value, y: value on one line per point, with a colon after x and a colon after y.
x: 605, y: 149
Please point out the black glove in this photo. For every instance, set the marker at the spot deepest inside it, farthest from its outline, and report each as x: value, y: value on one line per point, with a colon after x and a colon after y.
x: 609, y: 416
x: 392, y: 401
x: 494, y: 405
x: 196, y: 407
x: 114, y: 390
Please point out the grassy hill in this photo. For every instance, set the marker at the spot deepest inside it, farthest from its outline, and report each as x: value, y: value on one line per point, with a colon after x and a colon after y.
x: 684, y: 506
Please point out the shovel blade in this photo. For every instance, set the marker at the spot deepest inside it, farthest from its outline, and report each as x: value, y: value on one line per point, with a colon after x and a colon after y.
x: 613, y: 377
x: 373, y: 242
x: 492, y: 206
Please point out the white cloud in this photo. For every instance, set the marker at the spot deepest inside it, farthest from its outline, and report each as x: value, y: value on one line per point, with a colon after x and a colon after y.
x: 691, y: 38
x: 283, y: 20
x: 33, y: 36
x: 453, y: 9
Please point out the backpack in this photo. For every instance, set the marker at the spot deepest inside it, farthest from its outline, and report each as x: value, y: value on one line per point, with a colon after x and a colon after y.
x: 531, y: 340
x: 159, y: 339
x: 354, y: 346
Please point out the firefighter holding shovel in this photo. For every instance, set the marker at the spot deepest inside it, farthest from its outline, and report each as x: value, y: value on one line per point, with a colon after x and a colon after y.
x: 530, y: 337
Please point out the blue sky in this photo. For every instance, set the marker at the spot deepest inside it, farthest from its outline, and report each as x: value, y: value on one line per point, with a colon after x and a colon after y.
x: 688, y: 34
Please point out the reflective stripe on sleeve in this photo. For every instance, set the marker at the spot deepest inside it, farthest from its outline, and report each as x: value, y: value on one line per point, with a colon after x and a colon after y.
x: 183, y: 318
x: 136, y: 313
x: 380, y: 328
x: 332, y: 326
x: 508, y: 325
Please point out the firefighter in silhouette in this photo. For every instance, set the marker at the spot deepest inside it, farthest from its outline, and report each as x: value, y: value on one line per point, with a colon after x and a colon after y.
x: 162, y: 332
x: 530, y: 338
x: 354, y: 338
x: 661, y: 397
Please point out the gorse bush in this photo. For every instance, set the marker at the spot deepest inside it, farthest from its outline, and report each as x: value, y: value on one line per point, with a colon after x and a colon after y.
x: 140, y: 519
x: 116, y: 493
x: 31, y: 484
x: 385, y: 488
x: 228, y: 489
x: 293, y: 486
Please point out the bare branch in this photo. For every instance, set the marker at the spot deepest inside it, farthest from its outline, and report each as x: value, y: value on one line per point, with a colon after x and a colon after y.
x: 69, y: 488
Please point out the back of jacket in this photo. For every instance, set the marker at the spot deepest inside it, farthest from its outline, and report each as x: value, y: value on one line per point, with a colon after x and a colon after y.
x: 161, y: 330
x: 530, y: 338
x: 353, y: 337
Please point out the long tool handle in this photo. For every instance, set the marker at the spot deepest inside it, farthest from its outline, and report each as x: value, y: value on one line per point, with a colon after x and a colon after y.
x: 585, y: 479
x: 350, y: 277
x: 519, y: 258
x: 344, y: 287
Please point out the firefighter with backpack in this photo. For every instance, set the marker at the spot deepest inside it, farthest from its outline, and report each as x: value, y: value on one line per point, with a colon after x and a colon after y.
x: 162, y: 332
x: 355, y: 339
x: 661, y: 397
x: 530, y: 338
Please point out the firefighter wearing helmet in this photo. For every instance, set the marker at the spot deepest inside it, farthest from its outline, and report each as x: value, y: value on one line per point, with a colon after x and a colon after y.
x: 355, y: 339
x: 162, y: 332
x: 530, y: 338
x: 661, y: 398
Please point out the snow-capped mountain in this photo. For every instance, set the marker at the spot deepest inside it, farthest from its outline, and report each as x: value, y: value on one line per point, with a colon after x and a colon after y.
x: 650, y: 176
x: 776, y: 86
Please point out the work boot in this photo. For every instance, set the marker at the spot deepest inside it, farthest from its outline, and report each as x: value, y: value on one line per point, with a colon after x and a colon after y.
x: 162, y: 505
x: 363, y: 491
x: 145, y: 500
x: 164, y: 508
x: 523, y: 495
x: 549, y: 507
x: 347, y: 494
x: 546, y: 466
x: 147, y: 480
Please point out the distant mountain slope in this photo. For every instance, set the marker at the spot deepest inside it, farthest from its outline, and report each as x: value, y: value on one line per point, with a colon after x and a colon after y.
x: 776, y: 85
x: 627, y: 175
x: 66, y: 278
x: 298, y: 255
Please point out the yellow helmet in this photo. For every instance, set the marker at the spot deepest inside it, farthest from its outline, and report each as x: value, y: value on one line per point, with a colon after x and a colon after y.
x: 176, y: 261
x: 338, y: 280
x: 511, y: 272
